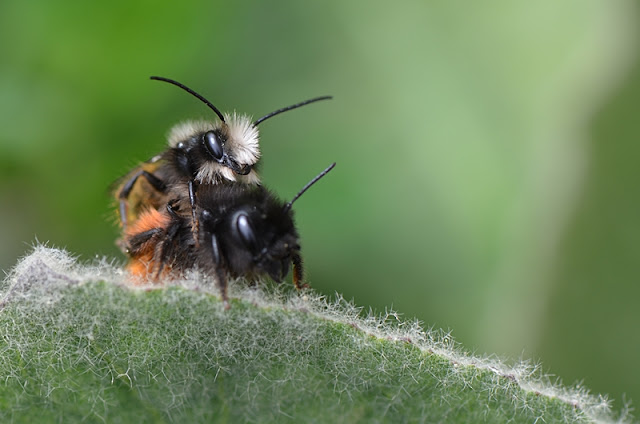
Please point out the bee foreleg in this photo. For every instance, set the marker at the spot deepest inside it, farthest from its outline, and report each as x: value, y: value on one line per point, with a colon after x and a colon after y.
x: 298, y: 272
x: 166, y: 249
x: 194, y: 219
x: 220, y: 272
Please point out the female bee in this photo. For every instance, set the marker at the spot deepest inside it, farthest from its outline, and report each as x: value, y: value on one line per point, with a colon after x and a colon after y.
x: 199, y: 153
x: 245, y: 231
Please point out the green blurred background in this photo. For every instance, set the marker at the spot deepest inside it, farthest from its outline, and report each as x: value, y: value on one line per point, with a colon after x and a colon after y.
x: 487, y: 151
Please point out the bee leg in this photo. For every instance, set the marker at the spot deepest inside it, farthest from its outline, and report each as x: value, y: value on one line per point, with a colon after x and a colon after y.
x: 222, y: 283
x: 163, y: 254
x: 135, y: 245
x: 155, y: 182
x: 298, y: 272
x: 220, y: 273
x: 195, y: 224
x: 139, y: 248
x: 172, y: 207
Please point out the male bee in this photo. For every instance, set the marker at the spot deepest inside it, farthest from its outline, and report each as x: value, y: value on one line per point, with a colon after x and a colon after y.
x: 245, y: 231
x: 199, y: 152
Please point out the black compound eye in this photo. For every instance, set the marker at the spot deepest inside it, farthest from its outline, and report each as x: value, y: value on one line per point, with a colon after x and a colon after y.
x: 247, y: 234
x: 214, y: 145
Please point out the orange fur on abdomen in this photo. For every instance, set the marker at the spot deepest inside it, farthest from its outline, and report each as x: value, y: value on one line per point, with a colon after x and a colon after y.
x: 141, y: 265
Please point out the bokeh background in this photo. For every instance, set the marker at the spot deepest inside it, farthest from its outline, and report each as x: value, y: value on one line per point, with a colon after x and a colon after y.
x: 488, y: 152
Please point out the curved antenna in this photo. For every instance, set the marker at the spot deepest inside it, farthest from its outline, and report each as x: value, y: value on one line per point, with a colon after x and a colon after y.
x: 306, y: 187
x: 193, y: 93
x: 284, y: 109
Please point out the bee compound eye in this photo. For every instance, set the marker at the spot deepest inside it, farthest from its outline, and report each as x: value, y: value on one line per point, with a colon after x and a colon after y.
x: 247, y: 234
x: 213, y: 145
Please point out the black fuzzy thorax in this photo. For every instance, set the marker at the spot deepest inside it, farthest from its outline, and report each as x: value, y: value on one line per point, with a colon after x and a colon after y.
x: 276, y: 238
x: 275, y: 242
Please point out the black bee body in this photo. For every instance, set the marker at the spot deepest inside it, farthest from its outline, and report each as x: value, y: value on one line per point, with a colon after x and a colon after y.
x: 244, y: 231
x: 200, y: 152
x: 247, y: 230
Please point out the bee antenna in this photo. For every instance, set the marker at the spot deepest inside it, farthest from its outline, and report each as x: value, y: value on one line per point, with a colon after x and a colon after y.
x: 284, y: 109
x: 193, y: 93
x: 309, y: 184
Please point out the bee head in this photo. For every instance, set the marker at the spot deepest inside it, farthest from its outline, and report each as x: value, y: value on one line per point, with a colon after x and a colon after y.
x: 254, y: 236
x: 234, y: 144
x: 268, y: 242
x: 250, y: 230
x: 229, y: 148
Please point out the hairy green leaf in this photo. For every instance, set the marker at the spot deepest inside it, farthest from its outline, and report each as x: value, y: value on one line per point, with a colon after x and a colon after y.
x: 79, y: 344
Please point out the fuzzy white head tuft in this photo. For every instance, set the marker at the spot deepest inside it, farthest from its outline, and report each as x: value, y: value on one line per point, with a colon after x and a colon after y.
x: 243, y: 139
x: 213, y: 173
x: 185, y: 130
x: 242, y: 145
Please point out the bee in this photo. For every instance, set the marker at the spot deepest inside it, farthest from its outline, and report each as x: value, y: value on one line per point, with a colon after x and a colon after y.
x: 245, y: 231
x: 200, y: 152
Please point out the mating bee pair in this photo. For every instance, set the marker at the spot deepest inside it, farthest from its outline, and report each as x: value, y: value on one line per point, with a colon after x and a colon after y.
x: 200, y: 204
